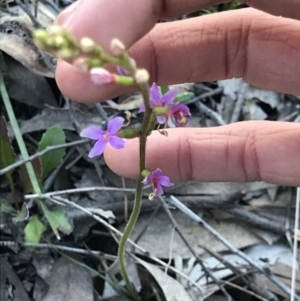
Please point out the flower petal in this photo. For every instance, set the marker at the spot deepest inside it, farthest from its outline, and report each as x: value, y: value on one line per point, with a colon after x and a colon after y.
x: 142, y: 108
x: 156, y: 173
x: 178, y: 107
x: 114, y: 125
x: 155, y: 94
x: 165, y: 181
x: 122, y: 71
x: 168, y: 97
x: 116, y: 142
x: 92, y: 132
x: 147, y: 180
x: 159, y: 189
x: 161, y: 119
x: 97, y: 149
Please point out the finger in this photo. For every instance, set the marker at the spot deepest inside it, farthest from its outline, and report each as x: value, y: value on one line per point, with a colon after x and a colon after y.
x: 261, y: 48
x: 242, y: 152
x: 289, y: 9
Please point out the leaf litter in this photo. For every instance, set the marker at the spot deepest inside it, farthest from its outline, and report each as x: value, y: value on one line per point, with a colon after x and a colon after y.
x: 239, y: 212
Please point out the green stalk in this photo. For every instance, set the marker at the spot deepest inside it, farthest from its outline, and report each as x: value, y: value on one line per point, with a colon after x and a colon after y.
x: 18, y: 136
x: 138, y: 195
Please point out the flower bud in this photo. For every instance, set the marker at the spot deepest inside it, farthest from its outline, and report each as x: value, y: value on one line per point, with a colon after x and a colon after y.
x: 117, y: 47
x: 160, y: 110
x: 94, y: 63
x: 41, y: 35
x: 141, y: 76
x: 128, y: 133
x: 55, y: 30
x: 145, y: 172
x: 101, y: 77
x: 59, y: 42
x: 65, y: 53
x: 87, y: 45
x: 81, y: 64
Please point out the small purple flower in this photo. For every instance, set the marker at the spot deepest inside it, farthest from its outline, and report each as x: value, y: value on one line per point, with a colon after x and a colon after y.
x: 179, y: 112
x: 159, y: 100
x: 157, y: 180
x: 104, y: 137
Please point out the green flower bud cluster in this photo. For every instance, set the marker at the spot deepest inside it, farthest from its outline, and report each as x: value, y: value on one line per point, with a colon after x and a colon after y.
x: 58, y: 41
x: 87, y: 55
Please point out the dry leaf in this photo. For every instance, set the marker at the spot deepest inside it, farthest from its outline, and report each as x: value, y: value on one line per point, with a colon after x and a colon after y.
x: 160, y: 231
x: 172, y: 289
x: 16, y: 36
x: 132, y: 102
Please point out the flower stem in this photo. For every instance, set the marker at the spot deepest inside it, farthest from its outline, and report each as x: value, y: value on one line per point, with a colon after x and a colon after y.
x: 138, y: 195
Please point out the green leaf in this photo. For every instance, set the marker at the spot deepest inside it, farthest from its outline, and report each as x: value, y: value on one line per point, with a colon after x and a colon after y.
x: 164, y: 89
x: 22, y: 215
x: 7, y: 155
x: 57, y: 220
x: 53, y: 136
x: 24, y: 177
x: 34, y: 230
x: 184, y: 97
x: 6, y: 207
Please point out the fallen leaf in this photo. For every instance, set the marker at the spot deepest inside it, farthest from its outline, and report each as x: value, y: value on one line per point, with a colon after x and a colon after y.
x: 9, y: 277
x: 27, y: 87
x: 16, y: 36
x: 172, y: 289
x: 50, y: 117
x: 160, y: 231
x: 132, y: 102
x: 69, y: 281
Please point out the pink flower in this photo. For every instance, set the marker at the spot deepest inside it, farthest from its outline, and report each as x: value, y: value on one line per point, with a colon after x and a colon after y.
x: 157, y: 180
x: 102, y: 138
x: 175, y: 111
x: 179, y: 112
x: 159, y: 100
x: 101, y: 77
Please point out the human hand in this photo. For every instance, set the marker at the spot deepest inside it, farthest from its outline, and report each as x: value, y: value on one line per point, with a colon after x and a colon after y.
x: 261, y: 48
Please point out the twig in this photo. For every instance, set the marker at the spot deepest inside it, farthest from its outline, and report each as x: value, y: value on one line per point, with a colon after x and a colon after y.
x: 139, y: 236
x: 58, y: 247
x: 239, y: 104
x: 114, y: 230
x: 205, y: 95
x: 174, y: 201
x: 198, y: 260
x: 101, y: 112
x: 295, y: 248
x: 76, y: 190
x: 256, y: 220
x: 34, y: 20
x: 211, y: 113
x: 38, y: 154
x: 170, y: 251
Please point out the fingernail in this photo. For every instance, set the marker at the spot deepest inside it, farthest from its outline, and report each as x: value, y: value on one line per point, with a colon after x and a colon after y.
x: 71, y: 7
x: 66, y: 15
